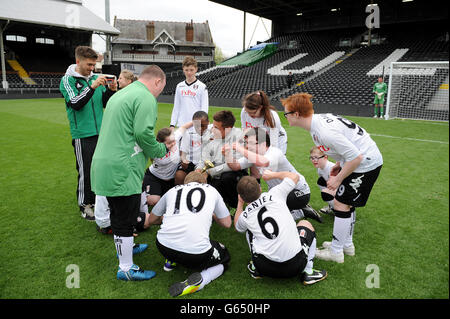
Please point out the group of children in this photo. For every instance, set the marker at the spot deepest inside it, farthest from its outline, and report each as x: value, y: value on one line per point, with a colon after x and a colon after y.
x: 188, y: 188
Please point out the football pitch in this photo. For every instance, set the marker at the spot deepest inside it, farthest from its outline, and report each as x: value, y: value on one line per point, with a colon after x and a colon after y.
x: 401, y: 236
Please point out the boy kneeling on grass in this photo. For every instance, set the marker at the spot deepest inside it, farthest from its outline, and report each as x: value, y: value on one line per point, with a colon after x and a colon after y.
x: 279, y: 247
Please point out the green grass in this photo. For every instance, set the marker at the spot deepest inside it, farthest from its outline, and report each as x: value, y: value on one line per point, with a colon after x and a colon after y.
x: 404, y: 229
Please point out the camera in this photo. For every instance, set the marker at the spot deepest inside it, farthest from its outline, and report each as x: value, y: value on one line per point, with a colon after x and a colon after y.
x: 109, y: 78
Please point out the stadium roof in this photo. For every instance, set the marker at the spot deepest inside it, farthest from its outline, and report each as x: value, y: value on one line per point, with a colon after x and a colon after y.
x: 276, y: 9
x: 57, y: 13
x: 272, y: 9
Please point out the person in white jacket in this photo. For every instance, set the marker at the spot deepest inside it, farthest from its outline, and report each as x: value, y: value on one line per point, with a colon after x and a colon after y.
x: 191, y: 95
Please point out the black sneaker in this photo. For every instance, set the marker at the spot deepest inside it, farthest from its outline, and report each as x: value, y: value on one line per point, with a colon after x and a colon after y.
x: 310, y: 212
x: 190, y: 285
x: 105, y: 231
x: 316, y: 276
x: 253, y: 272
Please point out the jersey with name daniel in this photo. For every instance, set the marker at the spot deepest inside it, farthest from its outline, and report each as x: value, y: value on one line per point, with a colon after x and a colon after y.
x: 277, y: 134
x: 189, y: 98
x: 166, y: 167
x: 344, y: 140
x: 274, y: 230
x: 278, y: 163
x: 188, y: 211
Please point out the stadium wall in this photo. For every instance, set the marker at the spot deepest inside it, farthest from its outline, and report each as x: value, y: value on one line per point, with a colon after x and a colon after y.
x: 341, y: 109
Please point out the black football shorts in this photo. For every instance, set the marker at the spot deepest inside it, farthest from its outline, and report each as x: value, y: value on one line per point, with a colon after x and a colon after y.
x: 355, y: 189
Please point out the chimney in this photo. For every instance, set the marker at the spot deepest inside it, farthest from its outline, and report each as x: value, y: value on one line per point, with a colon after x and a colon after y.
x: 150, y: 30
x: 190, y: 31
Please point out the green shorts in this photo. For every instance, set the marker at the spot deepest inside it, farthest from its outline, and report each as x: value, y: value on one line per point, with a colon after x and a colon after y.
x: 378, y: 100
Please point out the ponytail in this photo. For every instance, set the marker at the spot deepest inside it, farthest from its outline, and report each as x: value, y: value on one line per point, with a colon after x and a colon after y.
x: 259, y: 99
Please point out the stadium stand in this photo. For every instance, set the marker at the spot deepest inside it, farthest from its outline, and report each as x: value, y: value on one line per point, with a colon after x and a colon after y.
x: 39, y: 43
x: 334, y: 64
x: 331, y: 73
x: 351, y: 81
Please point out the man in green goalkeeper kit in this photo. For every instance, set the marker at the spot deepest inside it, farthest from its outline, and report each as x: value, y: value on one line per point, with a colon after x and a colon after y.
x: 125, y: 144
x: 380, y: 89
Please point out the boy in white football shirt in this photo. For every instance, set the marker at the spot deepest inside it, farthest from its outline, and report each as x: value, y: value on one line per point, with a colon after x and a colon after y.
x: 192, y: 143
x: 323, y: 166
x: 260, y: 153
x: 191, y: 95
x: 358, y: 165
x: 221, y: 176
x: 279, y: 248
x: 159, y: 177
x: 183, y: 238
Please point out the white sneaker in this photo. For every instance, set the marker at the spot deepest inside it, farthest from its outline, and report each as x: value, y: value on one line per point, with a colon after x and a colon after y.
x: 349, y: 251
x: 328, y: 254
x: 375, y: 116
x: 326, y: 210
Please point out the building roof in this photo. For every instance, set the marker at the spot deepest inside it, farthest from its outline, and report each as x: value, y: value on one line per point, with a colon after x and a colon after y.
x: 58, y: 13
x: 135, y: 32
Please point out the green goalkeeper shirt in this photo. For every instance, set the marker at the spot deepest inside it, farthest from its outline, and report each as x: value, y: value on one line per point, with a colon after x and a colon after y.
x: 126, y: 142
x: 380, y: 87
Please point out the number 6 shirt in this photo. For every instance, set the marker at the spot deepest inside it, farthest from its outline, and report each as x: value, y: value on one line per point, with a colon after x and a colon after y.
x: 188, y: 211
x: 343, y: 140
x: 274, y: 230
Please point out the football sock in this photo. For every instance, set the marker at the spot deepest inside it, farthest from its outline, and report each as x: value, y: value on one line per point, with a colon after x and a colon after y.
x: 381, y: 111
x: 375, y: 111
x: 124, y: 247
x: 311, y: 254
x: 341, y: 230
x: 349, y: 240
x: 210, y: 274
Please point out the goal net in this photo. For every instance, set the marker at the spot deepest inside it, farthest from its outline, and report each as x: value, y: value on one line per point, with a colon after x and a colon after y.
x: 418, y: 90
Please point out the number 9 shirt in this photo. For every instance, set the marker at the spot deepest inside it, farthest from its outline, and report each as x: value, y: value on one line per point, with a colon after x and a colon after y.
x: 344, y: 140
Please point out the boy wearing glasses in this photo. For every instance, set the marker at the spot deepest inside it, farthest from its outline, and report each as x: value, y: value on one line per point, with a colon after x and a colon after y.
x: 259, y: 153
x: 324, y: 166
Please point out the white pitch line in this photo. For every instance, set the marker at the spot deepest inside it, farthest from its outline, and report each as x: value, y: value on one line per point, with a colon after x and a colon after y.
x: 409, y: 138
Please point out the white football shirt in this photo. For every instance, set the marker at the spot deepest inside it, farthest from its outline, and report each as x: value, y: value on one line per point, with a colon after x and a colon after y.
x: 192, y: 144
x: 278, y: 163
x: 188, y: 211
x: 189, y: 98
x: 277, y: 134
x: 343, y: 140
x: 325, y: 172
x: 166, y: 167
x: 274, y: 230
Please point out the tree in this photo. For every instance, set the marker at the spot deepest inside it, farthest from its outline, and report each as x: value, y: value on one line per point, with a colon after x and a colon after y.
x: 219, y: 56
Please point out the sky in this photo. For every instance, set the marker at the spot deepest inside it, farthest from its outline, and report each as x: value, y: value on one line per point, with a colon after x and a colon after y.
x: 226, y: 24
